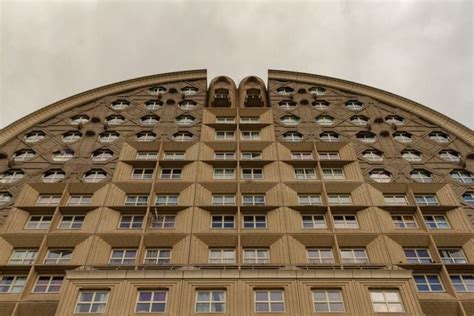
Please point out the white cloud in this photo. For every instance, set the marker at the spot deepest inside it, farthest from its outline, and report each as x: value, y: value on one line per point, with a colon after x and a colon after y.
x: 421, y: 50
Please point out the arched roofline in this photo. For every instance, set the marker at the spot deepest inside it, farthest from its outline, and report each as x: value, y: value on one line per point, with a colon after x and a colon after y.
x: 246, y: 79
x: 446, y: 123
x: 227, y: 79
x: 25, y: 123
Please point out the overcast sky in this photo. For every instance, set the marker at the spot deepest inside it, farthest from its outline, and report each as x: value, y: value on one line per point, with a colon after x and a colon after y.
x: 422, y: 50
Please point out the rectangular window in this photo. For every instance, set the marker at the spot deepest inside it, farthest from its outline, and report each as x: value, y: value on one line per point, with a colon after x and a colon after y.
x: 320, y: 255
x: 163, y: 221
x: 309, y: 200
x: 436, y: 222
x: 210, y: 301
x: 167, y: 199
x: 249, y: 120
x: 225, y: 119
x: 339, y: 199
x: 221, y: 255
x: 170, y: 174
x: 253, y: 200
x: 269, y: 301
x: 386, y: 301
x: 305, y: 173
x: 328, y: 301
x: 158, y: 256
x: 131, y: 222
x: 91, y: 301
x: 404, y: 221
x: 307, y: 155
x: 223, y: 199
x: 123, y: 256
x: 250, y: 135
x: 39, y: 222
x: 452, y: 255
x: 314, y: 221
x: 251, y: 155
x: 428, y: 283
x: 224, y: 155
x: 58, y: 256
x: 346, y: 221
x: 463, y: 283
x: 252, y: 173
x: 147, y: 155
x: 329, y: 155
x: 136, y: 200
x: 48, y: 284
x: 151, y: 301
x: 224, y: 173
x: 256, y: 256
x: 333, y: 174
x: 12, y: 283
x: 223, y: 221
x: 23, y: 256
x: 142, y: 174
x: 354, y: 255
x: 71, y: 222
x: 225, y: 135
x: 395, y: 199
x: 80, y: 200
x: 426, y: 199
x: 418, y: 255
x: 255, y: 221
x: 173, y: 155
x: 48, y: 200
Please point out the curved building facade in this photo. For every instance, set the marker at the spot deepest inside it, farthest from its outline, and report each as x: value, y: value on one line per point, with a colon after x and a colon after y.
x: 305, y: 195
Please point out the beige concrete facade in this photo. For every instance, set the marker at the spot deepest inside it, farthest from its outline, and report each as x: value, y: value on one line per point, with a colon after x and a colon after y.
x: 212, y: 197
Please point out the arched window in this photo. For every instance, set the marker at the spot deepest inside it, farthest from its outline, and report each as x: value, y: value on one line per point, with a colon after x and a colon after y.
x: 157, y: 90
x: 63, y: 155
x: 285, y: 91
x: 120, y: 105
x: 325, y: 120
x: 185, y: 120
x: 146, y: 136
x: 115, y: 119
x: 421, y: 175
x: 24, y: 155
x: 450, y: 155
x: 317, y: 90
x: 79, y: 119
x: 183, y: 136
x: 187, y: 104
x: 53, y: 175
x: 5, y: 198
x: 380, y: 175
x: 468, y: 197
x: 329, y: 136
x: 149, y: 120
x: 359, y: 120
x: 439, y: 137
x: 291, y: 120
x: 462, y: 176
x: 94, y: 175
x: 153, y: 104
x: 354, y: 105
x: 72, y: 136
x: 34, y: 136
x: 373, y: 155
x: 109, y: 137
x: 402, y: 137
x: 394, y: 119
x: 411, y: 155
x: 320, y: 105
x: 293, y: 137
x: 287, y: 104
x: 11, y: 176
x: 189, y: 91
x: 102, y: 154
x: 366, y: 137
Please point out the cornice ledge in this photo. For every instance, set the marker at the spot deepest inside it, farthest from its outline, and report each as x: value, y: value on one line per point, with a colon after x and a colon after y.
x: 56, y: 108
x: 424, y: 112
